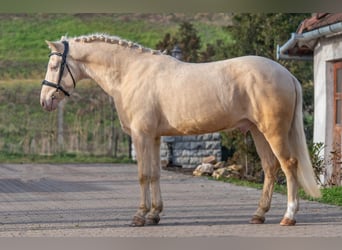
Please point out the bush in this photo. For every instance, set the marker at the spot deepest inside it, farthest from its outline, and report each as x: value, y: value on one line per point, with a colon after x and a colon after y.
x: 317, y: 159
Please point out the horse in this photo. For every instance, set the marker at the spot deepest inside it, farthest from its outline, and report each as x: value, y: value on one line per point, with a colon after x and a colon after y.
x: 157, y: 95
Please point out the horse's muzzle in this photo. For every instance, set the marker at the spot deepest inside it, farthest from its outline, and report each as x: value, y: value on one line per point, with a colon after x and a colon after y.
x: 49, y: 104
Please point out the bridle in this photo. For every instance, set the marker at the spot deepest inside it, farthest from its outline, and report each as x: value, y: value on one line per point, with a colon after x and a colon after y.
x: 64, y: 64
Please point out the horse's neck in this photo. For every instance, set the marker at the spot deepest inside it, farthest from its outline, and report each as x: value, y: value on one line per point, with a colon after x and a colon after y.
x: 105, y: 64
x: 107, y: 68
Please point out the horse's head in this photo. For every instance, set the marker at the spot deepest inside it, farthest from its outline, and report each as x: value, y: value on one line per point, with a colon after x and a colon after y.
x: 59, y: 79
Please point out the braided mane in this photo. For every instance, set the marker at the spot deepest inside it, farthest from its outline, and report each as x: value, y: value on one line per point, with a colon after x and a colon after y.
x: 115, y: 40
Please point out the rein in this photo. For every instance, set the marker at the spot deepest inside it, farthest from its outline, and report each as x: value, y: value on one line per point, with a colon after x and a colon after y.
x: 58, y: 85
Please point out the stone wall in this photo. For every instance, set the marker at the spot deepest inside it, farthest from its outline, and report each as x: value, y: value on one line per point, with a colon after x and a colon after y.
x: 188, y: 151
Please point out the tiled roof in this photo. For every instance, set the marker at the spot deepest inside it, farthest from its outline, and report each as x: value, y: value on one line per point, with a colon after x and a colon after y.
x: 319, y: 20
x: 316, y: 21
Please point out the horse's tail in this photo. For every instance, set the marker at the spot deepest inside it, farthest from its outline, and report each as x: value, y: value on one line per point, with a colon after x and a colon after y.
x: 305, y: 172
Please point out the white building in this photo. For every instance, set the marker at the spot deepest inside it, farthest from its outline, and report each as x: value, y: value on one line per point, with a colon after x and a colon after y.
x: 319, y: 38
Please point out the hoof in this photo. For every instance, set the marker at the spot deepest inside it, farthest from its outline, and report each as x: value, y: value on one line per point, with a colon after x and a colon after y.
x: 138, y: 221
x: 153, y: 220
x: 257, y: 220
x: 287, y: 222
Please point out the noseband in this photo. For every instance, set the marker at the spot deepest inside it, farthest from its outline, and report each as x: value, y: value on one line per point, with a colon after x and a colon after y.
x: 58, y: 85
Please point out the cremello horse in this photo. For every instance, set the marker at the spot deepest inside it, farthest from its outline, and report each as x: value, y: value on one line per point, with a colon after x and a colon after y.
x: 158, y: 95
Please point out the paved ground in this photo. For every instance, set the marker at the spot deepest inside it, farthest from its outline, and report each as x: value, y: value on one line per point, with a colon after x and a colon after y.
x: 100, y: 199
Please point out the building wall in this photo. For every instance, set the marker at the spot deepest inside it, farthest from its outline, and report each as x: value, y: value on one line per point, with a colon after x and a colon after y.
x: 326, y: 52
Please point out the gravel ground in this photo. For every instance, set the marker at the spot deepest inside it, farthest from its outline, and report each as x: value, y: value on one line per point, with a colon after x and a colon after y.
x: 99, y: 200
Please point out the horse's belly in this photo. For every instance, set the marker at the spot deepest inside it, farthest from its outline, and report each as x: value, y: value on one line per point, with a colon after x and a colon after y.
x: 196, y: 126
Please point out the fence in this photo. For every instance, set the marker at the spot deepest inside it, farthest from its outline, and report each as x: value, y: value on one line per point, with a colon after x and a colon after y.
x: 89, y: 123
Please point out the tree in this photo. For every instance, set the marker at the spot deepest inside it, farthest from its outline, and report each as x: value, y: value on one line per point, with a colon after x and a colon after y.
x: 259, y: 34
x: 187, y: 40
x: 215, y: 52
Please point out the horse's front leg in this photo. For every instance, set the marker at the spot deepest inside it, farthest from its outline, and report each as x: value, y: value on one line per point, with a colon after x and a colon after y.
x: 147, y: 152
x: 157, y: 202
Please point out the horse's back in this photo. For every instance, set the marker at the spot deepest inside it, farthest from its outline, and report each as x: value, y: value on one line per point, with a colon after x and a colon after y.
x: 263, y: 67
x: 225, y: 94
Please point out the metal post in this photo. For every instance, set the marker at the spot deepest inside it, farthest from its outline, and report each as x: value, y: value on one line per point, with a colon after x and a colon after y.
x: 177, y: 52
x: 60, y: 122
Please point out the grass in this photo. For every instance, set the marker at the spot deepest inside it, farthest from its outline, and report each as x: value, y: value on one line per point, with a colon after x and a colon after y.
x: 23, y: 52
x: 330, y: 195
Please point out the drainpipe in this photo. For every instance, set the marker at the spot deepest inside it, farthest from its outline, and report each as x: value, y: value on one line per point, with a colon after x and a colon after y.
x: 306, y: 37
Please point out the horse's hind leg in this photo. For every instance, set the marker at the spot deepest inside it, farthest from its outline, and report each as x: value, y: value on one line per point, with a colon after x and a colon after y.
x: 279, y: 143
x: 270, y: 166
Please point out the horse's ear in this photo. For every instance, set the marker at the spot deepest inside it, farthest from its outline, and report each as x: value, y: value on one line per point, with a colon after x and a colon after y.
x: 55, y: 46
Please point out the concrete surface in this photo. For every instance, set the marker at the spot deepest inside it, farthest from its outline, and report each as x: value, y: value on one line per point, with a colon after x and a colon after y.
x: 89, y: 200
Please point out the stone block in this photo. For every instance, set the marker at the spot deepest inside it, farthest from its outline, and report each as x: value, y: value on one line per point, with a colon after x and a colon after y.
x: 204, y: 169
x: 197, y: 145
x: 209, y: 159
x: 195, y: 161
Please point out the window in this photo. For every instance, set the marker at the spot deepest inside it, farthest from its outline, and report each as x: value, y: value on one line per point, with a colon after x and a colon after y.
x: 338, y: 93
